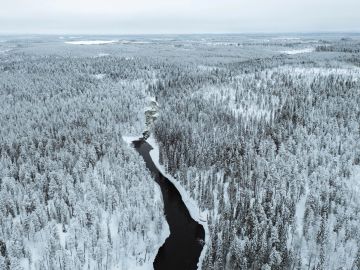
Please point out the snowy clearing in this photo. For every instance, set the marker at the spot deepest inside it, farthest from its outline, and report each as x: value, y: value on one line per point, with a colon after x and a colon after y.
x: 99, y: 76
x: 103, y: 54
x: 91, y: 42
x: 355, y: 179
x: 298, y: 51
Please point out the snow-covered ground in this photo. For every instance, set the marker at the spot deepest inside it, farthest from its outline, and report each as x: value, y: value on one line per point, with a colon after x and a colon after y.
x: 102, y: 54
x: 134, y: 42
x: 300, y: 212
x: 355, y: 180
x: 99, y: 76
x: 91, y: 42
x: 5, y: 51
x: 206, y: 68
x: 298, y: 51
x: 225, y: 95
x: 286, y: 38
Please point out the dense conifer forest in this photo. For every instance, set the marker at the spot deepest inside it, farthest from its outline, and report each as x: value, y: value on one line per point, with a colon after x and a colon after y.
x: 263, y: 133
x: 73, y: 195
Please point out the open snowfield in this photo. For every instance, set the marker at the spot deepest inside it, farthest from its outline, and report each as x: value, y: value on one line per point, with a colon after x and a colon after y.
x: 91, y: 42
x: 299, y: 51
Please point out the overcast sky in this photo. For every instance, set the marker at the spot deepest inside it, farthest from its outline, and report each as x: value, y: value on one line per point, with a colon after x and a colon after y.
x: 177, y: 16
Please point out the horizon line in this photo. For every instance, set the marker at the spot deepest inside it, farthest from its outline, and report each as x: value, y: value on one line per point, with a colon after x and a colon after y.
x: 184, y: 33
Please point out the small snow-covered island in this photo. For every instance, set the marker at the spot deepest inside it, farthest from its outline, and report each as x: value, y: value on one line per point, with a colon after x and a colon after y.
x: 179, y: 135
x: 151, y: 114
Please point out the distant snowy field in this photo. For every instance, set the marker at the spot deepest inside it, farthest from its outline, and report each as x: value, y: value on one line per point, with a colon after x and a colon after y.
x: 299, y: 51
x: 104, y: 42
x: 91, y: 42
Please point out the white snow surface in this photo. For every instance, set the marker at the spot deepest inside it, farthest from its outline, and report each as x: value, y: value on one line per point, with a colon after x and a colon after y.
x: 298, y: 51
x: 286, y: 38
x: 99, y: 76
x: 134, y: 42
x: 355, y: 180
x: 225, y: 95
x: 91, y: 42
x: 102, y: 54
x: 4, y: 51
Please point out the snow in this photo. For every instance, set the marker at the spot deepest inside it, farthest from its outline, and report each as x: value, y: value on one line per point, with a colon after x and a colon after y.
x: 191, y: 204
x: 226, y: 194
x: 298, y: 51
x: 286, y: 38
x: 125, y: 259
x: 103, y: 54
x: 222, y: 44
x: 91, y: 42
x: 134, y: 42
x: 225, y: 95
x: 151, y: 101
x: 99, y: 76
x: 165, y: 232
x: 355, y: 180
x: 4, y: 51
x: 208, y: 68
x: 62, y: 235
x: 324, y: 71
x: 300, y: 212
x: 130, y: 139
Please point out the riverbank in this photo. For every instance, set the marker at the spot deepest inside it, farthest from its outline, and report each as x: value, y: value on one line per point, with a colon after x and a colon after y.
x: 165, y: 233
x: 191, y: 204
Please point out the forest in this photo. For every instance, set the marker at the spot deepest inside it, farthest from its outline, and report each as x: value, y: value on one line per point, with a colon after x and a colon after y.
x: 271, y: 152
x: 266, y: 141
x: 73, y: 195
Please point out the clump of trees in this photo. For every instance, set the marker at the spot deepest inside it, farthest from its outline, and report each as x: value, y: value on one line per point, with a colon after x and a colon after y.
x: 343, y: 46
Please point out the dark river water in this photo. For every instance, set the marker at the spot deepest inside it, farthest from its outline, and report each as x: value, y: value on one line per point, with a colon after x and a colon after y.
x: 182, y: 249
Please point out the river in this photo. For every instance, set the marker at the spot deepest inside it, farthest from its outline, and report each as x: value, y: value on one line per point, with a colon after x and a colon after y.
x: 182, y: 248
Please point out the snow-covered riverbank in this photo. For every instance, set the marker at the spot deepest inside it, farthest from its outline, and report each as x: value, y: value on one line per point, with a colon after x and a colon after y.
x: 191, y: 204
x: 148, y: 264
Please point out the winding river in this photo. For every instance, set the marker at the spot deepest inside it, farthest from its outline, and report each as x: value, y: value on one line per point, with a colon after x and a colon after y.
x: 182, y: 248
